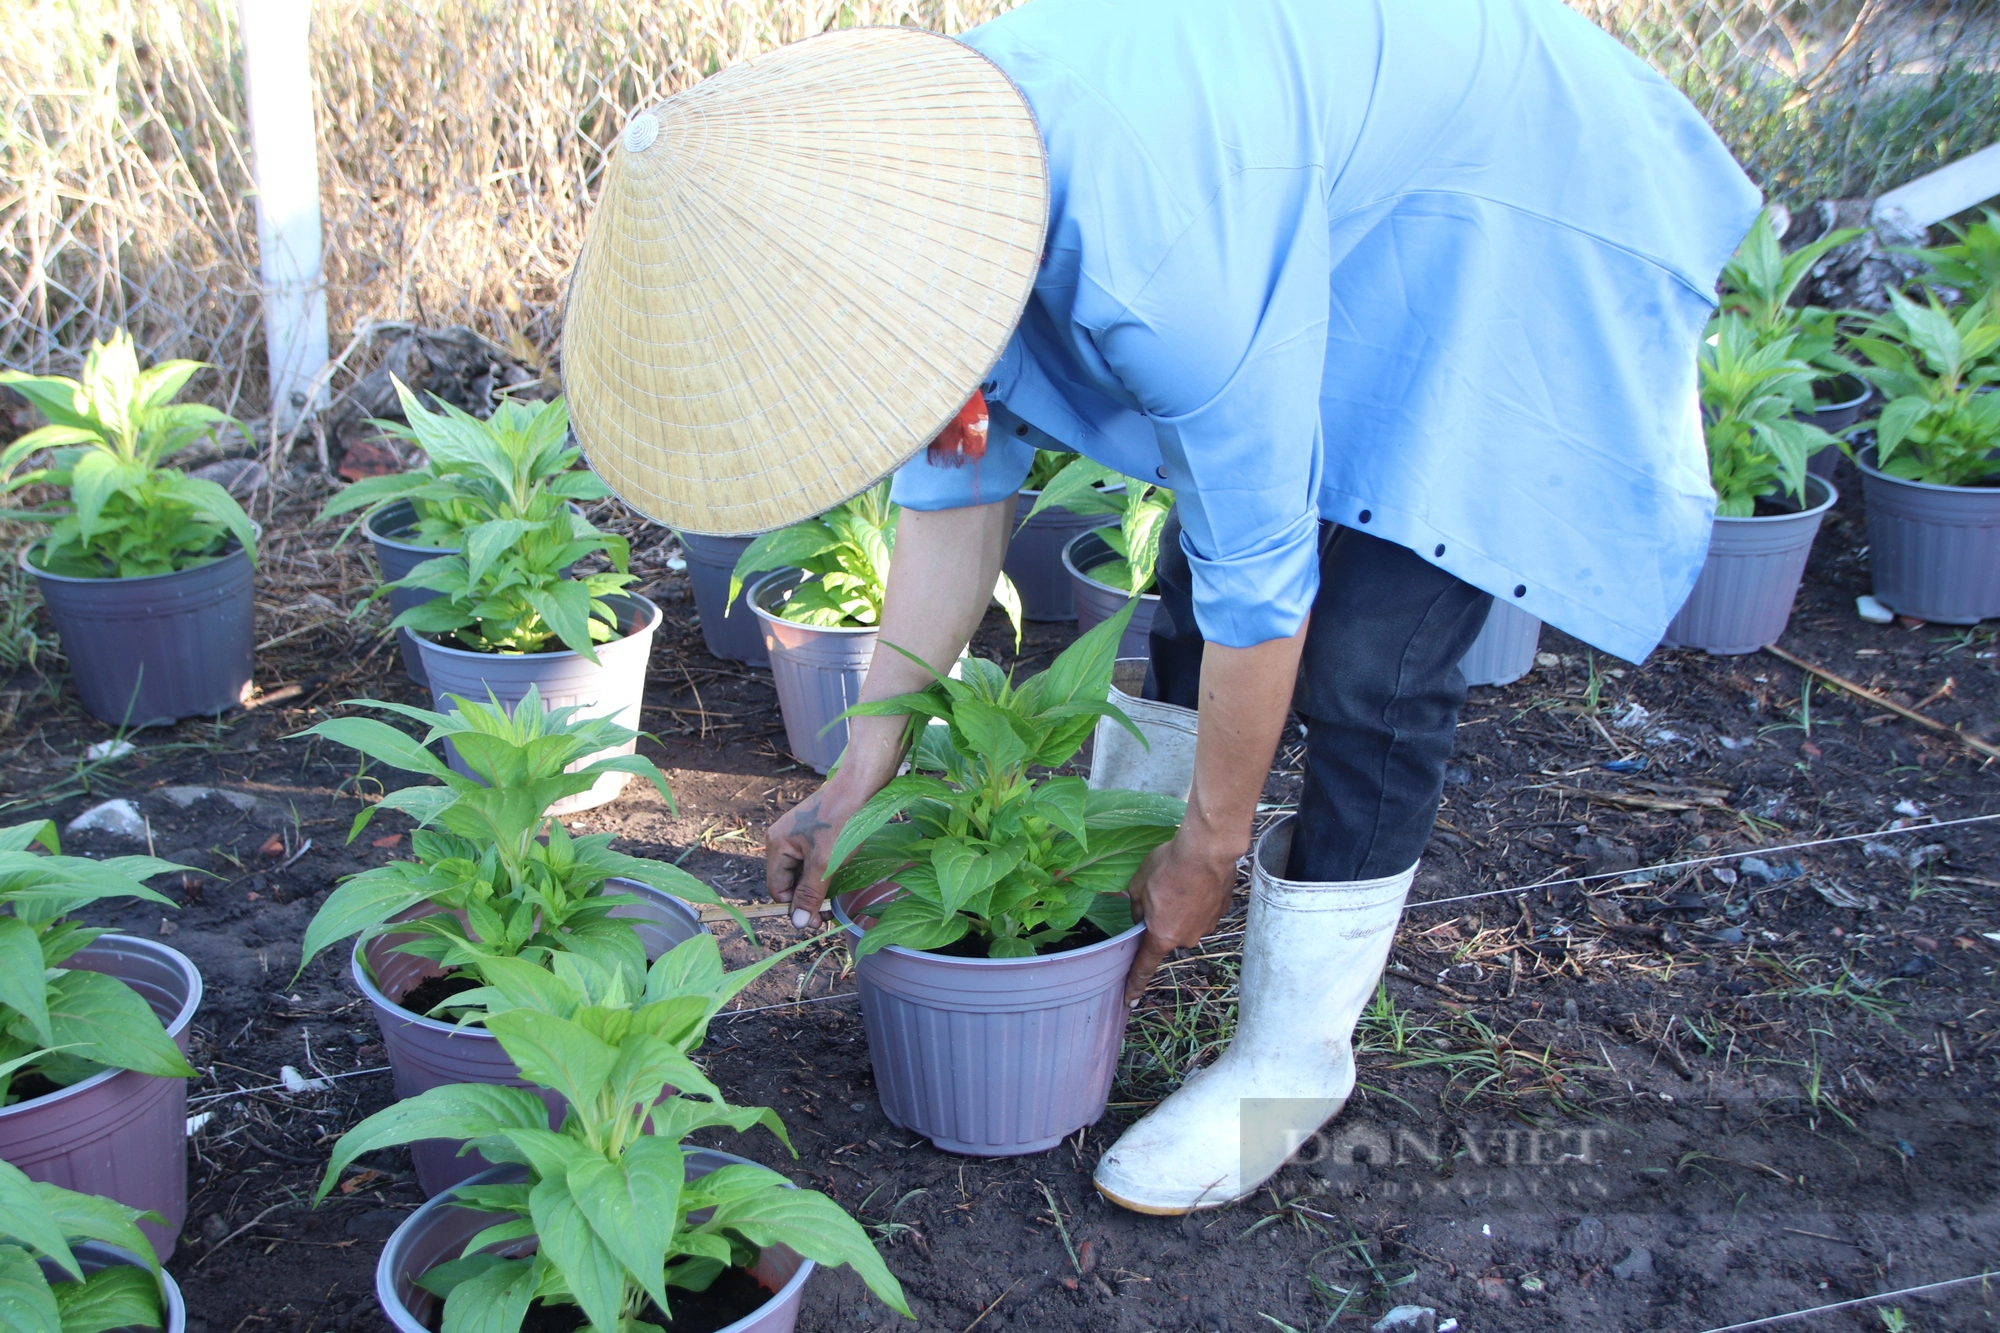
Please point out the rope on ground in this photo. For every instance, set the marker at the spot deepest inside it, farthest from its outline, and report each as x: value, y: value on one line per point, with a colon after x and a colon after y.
x: 1706, y: 860
x: 1786, y: 1318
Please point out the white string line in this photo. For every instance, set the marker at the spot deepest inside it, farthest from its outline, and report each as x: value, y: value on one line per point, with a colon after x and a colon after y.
x: 1704, y: 860
x: 1859, y: 1300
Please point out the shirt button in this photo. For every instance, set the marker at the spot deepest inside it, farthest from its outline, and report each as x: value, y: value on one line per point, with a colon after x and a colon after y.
x: 1365, y: 515
x: 988, y: 386
x: 1160, y: 472
x: 1021, y: 429
x: 1520, y: 590
x: 1439, y: 551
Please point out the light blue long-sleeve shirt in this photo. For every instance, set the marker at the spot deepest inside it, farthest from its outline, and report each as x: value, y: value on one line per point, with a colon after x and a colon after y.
x: 1432, y: 269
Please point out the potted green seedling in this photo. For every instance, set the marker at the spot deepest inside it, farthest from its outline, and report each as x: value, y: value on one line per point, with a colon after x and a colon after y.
x: 493, y: 878
x: 505, y: 614
x: 76, y: 1263
x: 1768, y: 507
x: 146, y: 571
x: 1034, y: 552
x: 989, y: 922
x: 93, y: 1028
x: 1759, y: 283
x: 1109, y: 566
x: 1931, y: 477
x: 610, y: 1213
x: 1968, y: 269
x: 474, y: 471
x: 820, y: 603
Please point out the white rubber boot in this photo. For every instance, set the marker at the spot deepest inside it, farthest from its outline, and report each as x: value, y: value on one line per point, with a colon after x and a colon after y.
x: 1311, y: 956
x: 1117, y: 760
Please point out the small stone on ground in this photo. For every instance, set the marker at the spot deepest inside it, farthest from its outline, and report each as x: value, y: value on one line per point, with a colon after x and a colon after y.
x: 120, y: 819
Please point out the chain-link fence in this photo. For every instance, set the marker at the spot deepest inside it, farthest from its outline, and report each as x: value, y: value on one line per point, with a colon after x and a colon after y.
x: 460, y: 141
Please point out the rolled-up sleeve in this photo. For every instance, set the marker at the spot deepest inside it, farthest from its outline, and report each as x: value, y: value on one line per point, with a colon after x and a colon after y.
x: 1225, y: 349
x: 922, y: 484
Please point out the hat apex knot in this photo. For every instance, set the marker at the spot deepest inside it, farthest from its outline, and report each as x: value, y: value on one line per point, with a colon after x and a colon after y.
x: 640, y: 132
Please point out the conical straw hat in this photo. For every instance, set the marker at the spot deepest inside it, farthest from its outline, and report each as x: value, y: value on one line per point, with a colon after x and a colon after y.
x: 799, y: 270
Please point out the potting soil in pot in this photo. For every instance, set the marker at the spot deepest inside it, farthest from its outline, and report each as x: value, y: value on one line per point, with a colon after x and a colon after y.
x: 732, y: 1296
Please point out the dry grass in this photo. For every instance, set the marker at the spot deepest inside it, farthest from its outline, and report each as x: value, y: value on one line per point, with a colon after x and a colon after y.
x: 460, y: 141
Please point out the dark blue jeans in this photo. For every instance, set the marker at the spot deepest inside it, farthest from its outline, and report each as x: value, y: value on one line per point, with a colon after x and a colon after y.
x: 1379, y: 692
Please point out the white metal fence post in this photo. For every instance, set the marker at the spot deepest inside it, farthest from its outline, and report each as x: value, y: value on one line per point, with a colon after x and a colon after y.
x: 284, y: 150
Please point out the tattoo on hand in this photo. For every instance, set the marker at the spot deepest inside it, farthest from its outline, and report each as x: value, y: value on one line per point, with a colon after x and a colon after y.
x: 806, y: 821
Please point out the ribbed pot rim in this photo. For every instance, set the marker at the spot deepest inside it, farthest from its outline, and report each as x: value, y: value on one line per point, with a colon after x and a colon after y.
x: 753, y: 598
x: 375, y: 534
x: 357, y: 968
x: 181, y: 1019
x: 952, y: 960
x: 1867, y: 392
x: 235, y: 548
x: 652, y: 623
x: 1870, y: 470
x: 1069, y: 563
x: 385, y: 1279
x: 1793, y: 517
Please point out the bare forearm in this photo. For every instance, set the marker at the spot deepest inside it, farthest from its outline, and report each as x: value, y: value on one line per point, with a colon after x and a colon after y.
x: 1246, y: 694
x: 940, y: 582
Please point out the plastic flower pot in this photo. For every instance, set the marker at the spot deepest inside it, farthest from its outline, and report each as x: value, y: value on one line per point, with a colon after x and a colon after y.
x: 147, y: 652
x: 730, y: 629
x: 1505, y: 649
x: 1034, y: 557
x: 1850, y: 394
x: 818, y: 671
x: 395, y: 555
x: 93, y: 1256
x: 613, y: 687
x: 426, y: 1053
x: 437, y: 1232
x: 1097, y: 602
x: 1934, y: 551
x: 121, y: 1134
x: 1745, y: 593
x: 991, y: 1057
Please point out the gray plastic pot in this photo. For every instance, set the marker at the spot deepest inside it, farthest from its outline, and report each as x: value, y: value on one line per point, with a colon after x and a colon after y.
x: 1750, y: 579
x: 1933, y: 551
x: 93, y: 1256
x: 120, y: 1134
x: 150, y: 651
x: 1834, y: 417
x: 1505, y: 649
x: 730, y: 629
x: 615, y: 687
x: 427, y: 1053
x: 396, y: 557
x: 818, y: 672
x: 1034, y: 557
x: 1098, y: 602
x: 991, y: 1057
x: 437, y: 1232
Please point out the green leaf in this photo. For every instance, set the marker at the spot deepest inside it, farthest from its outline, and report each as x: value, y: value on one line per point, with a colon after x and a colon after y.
x: 117, y: 1297
x: 554, y: 1053
x: 22, y: 984
x: 100, y: 1018
x: 25, y: 1218
x: 817, y: 1228
x: 677, y: 1117
x: 455, y: 1111
x: 363, y: 903
x: 895, y: 796
x: 88, y: 1217
x: 565, y: 605
x: 26, y: 1303
x: 489, y: 542
x: 633, y: 1207
x: 591, y: 1271
x: 382, y: 743
x: 495, y: 1300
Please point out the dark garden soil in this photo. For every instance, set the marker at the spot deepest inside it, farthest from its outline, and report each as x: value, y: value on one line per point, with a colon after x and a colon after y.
x: 1672, y: 1100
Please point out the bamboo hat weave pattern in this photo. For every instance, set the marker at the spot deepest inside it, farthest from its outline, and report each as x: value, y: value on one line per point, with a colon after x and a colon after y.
x: 798, y: 271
